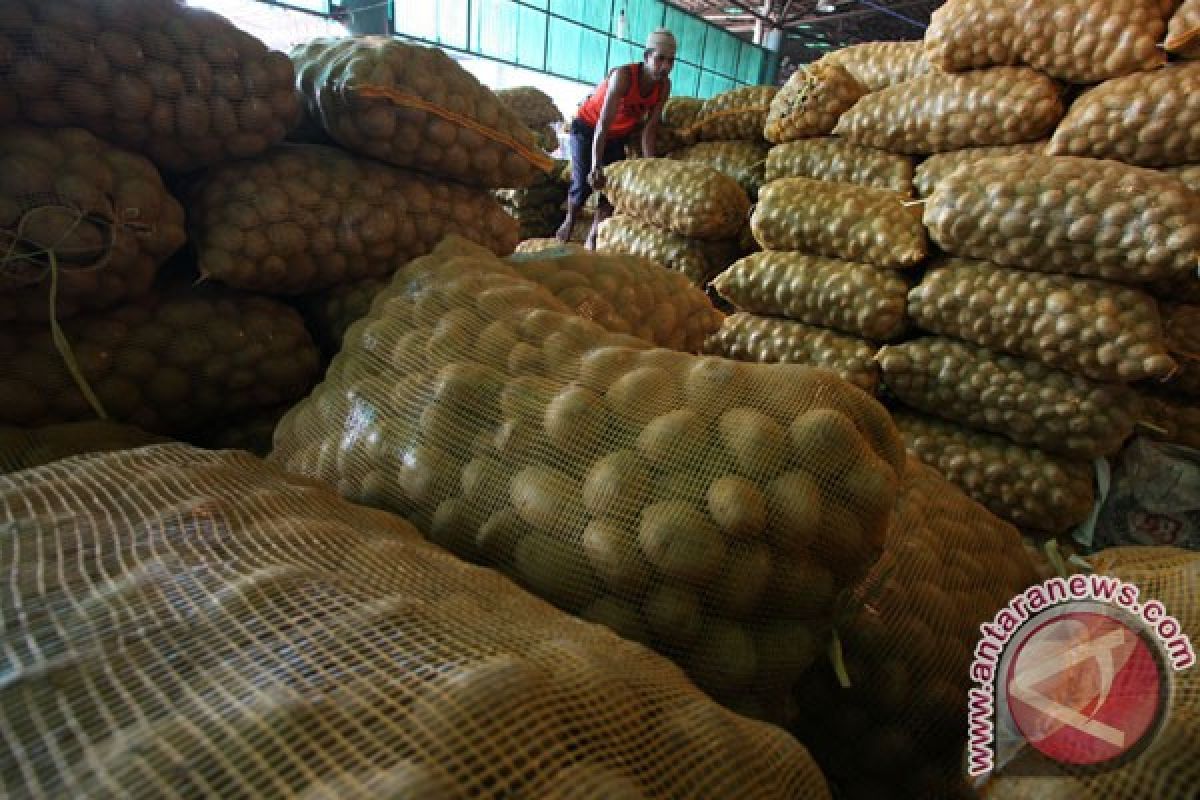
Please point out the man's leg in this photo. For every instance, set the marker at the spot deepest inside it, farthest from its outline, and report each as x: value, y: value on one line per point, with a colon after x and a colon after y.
x: 579, y: 146
x: 614, y: 151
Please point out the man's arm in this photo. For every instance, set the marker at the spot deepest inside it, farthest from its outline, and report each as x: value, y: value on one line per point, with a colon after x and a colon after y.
x: 650, y: 132
x: 618, y: 86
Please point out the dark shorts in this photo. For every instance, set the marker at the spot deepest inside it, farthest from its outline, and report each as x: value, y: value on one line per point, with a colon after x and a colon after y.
x: 579, y: 147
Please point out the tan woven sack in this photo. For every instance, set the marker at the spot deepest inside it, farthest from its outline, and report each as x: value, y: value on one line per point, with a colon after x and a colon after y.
x: 414, y: 106
x: 933, y: 170
x: 935, y: 113
x: 691, y: 199
x: 181, y: 86
x: 736, y: 114
x: 774, y: 340
x: 811, y: 102
x: 699, y: 261
x: 878, y: 65
x: 182, y: 623
x: 1183, y: 30
x: 690, y: 502
x: 1080, y: 41
x: 24, y: 448
x: 742, y: 161
x: 828, y: 158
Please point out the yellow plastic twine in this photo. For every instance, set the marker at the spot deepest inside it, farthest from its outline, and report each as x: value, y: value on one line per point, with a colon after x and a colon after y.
x: 61, y: 343
x: 534, y: 157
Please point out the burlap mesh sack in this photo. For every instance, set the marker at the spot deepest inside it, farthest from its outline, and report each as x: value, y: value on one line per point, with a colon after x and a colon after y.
x: 853, y: 298
x: 675, y: 124
x: 878, y: 65
x: 838, y: 220
x: 540, y: 245
x: 626, y: 294
x: 939, y: 112
x: 1181, y: 328
x: 698, y: 260
x: 811, y: 102
x: 24, y: 448
x: 172, y: 607
x: 1169, y: 418
x: 691, y: 199
x: 1023, y: 400
x: 538, y: 209
x: 304, y: 217
x: 531, y: 105
x: 1146, y: 119
x: 742, y: 161
x: 838, y: 161
x: 1167, y: 768
x: 1189, y: 174
x: 1080, y: 216
x: 710, y: 508
x: 331, y: 312
x: 1183, y: 30
x: 773, y: 340
x: 935, y: 168
x: 898, y: 730
x: 1081, y: 41
x: 414, y: 106
x: 1023, y: 485
x: 167, y: 362
x: 97, y: 215
x: 181, y: 86
x: 1102, y: 331
x: 736, y: 114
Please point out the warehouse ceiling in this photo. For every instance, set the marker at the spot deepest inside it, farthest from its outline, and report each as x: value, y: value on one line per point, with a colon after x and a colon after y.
x: 810, y: 31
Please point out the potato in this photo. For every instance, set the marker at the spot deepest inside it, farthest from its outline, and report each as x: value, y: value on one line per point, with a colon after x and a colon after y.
x: 828, y: 158
x: 737, y: 506
x: 878, y: 65
x: 690, y: 199
x: 677, y: 538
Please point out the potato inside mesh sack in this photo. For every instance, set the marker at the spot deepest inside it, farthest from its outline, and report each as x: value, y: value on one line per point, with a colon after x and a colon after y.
x: 931, y: 171
x: 1081, y: 216
x: 414, y: 106
x: 169, y: 362
x: 709, y: 508
x: 1169, y: 418
x: 177, y: 621
x: 1181, y: 328
x: 182, y: 86
x: 838, y: 220
x: 97, y: 215
x: 531, y: 105
x: 829, y: 158
x: 23, y: 448
x: 878, y: 65
x: 305, y: 217
x: 1148, y: 119
x: 1079, y: 41
x: 811, y: 102
x: 696, y: 259
x: 774, y: 340
x: 1183, y: 30
x: 1166, y: 767
x: 897, y: 730
x: 691, y: 199
x: 742, y: 161
x: 938, y: 112
x: 738, y: 114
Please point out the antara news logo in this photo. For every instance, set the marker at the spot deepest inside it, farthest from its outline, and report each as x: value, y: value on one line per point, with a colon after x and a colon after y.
x: 1073, y: 671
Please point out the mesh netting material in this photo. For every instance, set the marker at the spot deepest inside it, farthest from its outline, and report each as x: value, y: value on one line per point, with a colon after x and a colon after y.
x: 1030, y: 488
x: 742, y: 161
x: 811, y: 102
x: 937, y: 112
x: 1024, y: 400
x: 1181, y: 327
x: 898, y: 731
x: 1145, y: 119
x: 330, y: 313
x: 858, y: 299
x: 301, y: 218
x: 933, y: 170
x: 23, y: 448
x: 1080, y: 41
x: 181, y: 86
x: 1170, y: 418
x: 698, y: 260
x: 710, y: 508
x: 1183, y: 30
x: 688, y: 198
x: 531, y: 105
x: 773, y: 340
x: 838, y: 161
x: 168, y: 362
x: 101, y: 211
x: 415, y: 107
x: 1103, y: 331
x: 839, y: 220
x: 539, y: 245
x: 1189, y: 174
x: 188, y: 623
x: 878, y: 65
x: 538, y: 209
x: 1167, y: 768
x: 736, y: 114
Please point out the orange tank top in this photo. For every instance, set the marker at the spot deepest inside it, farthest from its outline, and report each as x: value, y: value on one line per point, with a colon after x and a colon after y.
x: 633, y: 107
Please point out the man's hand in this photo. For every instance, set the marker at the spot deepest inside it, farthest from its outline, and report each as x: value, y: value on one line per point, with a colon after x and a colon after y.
x: 596, y: 178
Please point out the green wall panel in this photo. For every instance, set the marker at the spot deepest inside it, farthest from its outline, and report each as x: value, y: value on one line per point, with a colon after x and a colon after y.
x: 685, y: 81
x: 641, y: 17
x: 592, y: 13
x: 750, y: 63
x: 576, y: 52
x: 531, y: 38
x: 495, y: 29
